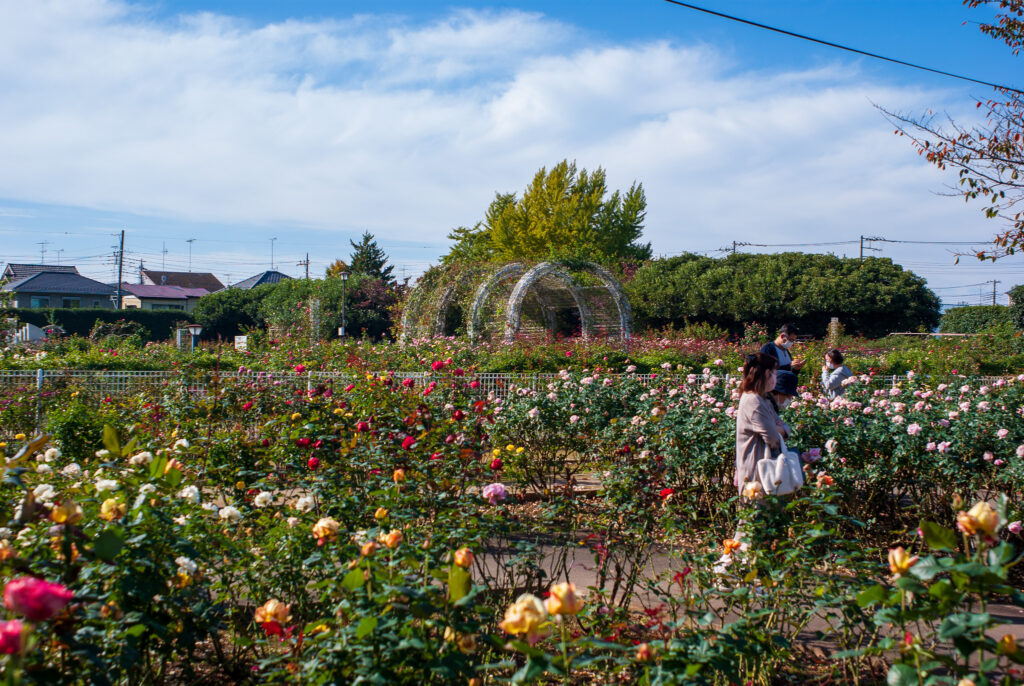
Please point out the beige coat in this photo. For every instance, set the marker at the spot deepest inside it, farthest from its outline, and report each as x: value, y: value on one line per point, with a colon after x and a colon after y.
x: 755, y: 428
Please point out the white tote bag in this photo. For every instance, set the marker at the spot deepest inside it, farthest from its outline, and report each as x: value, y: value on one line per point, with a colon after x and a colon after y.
x: 780, y: 475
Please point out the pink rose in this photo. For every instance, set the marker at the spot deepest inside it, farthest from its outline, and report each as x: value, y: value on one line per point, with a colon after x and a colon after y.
x: 1002, y: 433
x: 1014, y: 527
x: 299, y: 368
x: 12, y: 636
x: 37, y: 599
x: 495, y: 493
x: 913, y: 429
x: 408, y: 442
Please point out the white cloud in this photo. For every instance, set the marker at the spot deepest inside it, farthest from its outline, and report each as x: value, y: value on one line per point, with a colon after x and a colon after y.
x: 408, y: 130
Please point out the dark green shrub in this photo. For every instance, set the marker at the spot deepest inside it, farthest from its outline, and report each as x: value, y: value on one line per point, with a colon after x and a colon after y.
x: 1017, y: 307
x: 77, y: 428
x: 158, y: 325
x: 974, y: 319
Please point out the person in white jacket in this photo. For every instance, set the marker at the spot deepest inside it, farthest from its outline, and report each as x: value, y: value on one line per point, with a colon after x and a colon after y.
x: 833, y: 374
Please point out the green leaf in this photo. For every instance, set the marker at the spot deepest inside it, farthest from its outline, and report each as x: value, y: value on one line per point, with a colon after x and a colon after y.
x: 110, y: 440
x: 174, y: 477
x: 938, y: 537
x: 135, y: 630
x: 353, y: 580
x: 366, y: 627
x: 926, y: 568
x: 902, y: 675
x: 108, y: 545
x: 459, y: 582
x: 870, y: 596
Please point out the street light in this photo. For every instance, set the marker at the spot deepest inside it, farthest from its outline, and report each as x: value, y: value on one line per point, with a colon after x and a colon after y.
x: 344, y: 294
x: 194, y: 331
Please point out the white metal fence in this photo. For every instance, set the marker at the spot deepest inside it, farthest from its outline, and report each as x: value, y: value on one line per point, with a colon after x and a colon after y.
x: 121, y: 382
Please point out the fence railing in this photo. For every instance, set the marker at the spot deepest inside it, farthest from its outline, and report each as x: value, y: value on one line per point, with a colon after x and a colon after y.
x: 120, y: 382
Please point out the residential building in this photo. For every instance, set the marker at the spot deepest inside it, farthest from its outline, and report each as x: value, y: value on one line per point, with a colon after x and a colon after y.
x: 146, y: 296
x: 20, y: 271
x: 269, y: 276
x: 58, y: 289
x: 181, y: 279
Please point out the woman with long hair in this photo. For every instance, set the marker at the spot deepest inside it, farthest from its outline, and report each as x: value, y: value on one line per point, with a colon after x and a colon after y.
x: 757, y: 424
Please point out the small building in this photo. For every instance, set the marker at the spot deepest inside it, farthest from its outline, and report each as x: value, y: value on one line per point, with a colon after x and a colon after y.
x: 269, y: 276
x: 59, y: 289
x: 144, y: 296
x: 204, y: 280
x: 20, y: 271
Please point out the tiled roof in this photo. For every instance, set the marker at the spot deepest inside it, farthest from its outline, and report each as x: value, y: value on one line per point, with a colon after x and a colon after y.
x: 183, y: 279
x: 20, y: 271
x: 145, y: 290
x: 58, y: 282
x: 269, y: 276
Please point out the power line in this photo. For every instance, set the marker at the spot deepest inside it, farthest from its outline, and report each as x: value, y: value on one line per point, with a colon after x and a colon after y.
x: 841, y: 47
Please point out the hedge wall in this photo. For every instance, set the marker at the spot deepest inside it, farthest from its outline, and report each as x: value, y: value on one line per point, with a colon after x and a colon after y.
x: 160, y: 324
x: 1017, y: 307
x: 974, y: 318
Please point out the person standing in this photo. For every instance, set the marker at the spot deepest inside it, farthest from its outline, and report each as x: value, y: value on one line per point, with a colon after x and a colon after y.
x: 781, y: 396
x: 779, y: 349
x: 757, y: 424
x: 834, y: 373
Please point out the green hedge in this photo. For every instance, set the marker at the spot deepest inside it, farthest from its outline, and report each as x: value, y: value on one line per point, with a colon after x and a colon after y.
x: 974, y: 318
x: 78, y: 322
x: 1017, y: 307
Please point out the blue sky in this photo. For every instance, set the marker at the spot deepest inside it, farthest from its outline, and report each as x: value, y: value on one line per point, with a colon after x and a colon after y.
x: 236, y: 122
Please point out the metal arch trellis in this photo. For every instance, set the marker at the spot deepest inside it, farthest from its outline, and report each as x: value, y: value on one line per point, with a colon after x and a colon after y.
x: 545, y: 296
x: 483, y: 293
x: 529, y: 280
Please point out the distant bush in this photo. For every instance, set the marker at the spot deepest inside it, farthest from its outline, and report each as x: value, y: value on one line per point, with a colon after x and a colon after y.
x: 1017, y: 307
x: 975, y: 318
x: 157, y: 325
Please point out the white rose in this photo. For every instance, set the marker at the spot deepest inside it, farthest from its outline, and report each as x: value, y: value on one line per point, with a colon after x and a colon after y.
x: 189, y: 493
x: 263, y: 499
x: 230, y: 514
x: 145, y: 457
x: 51, y: 454
x: 304, y: 504
x: 106, y: 485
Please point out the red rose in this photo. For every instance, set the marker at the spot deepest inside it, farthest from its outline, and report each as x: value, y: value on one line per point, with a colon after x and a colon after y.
x: 302, y: 442
x: 362, y: 426
x: 247, y: 406
x: 459, y: 372
x: 666, y: 492
x: 408, y: 383
x: 299, y: 368
x: 313, y: 463
x: 408, y: 442
x: 36, y: 599
x: 496, y: 464
x: 458, y: 415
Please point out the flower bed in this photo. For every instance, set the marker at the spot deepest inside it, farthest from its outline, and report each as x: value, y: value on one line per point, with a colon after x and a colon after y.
x: 377, y: 531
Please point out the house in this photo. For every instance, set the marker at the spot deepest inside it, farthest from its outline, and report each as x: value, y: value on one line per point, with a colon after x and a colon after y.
x: 144, y: 296
x: 58, y: 289
x: 181, y: 279
x: 20, y: 271
x: 269, y: 276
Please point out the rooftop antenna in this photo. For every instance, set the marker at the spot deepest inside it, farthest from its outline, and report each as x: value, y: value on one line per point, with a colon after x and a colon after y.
x: 163, y: 258
x: 59, y: 251
x: 42, y: 251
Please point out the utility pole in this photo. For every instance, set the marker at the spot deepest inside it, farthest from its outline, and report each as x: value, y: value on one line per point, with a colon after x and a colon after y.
x: 272, y: 251
x: 868, y: 239
x: 190, y: 241
x: 163, y: 258
x: 994, y: 282
x: 142, y: 265
x: 120, y: 270
x: 58, y: 255
x: 42, y: 251
x: 305, y: 263
x: 734, y: 247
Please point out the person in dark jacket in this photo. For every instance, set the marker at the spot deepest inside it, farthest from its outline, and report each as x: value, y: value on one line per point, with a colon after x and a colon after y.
x: 781, y: 396
x: 779, y: 349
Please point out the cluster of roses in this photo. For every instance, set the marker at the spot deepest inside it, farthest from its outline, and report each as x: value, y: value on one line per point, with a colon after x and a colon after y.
x: 37, y: 600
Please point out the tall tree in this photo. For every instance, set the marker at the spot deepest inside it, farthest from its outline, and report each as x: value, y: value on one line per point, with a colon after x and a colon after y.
x: 367, y: 258
x: 563, y: 213
x: 335, y: 268
x: 989, y: 157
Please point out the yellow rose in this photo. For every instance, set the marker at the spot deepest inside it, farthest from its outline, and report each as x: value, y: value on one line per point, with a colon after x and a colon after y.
x: 464, y: 558
x: 273, y: 611
x: 900, y: 562
x: 644, y: 653
x: 368, y: 549
x: 326, y: 530
x: 752, y: 490
x: 526, y: 617
x: 510, y: 447
x: 1007, y: 645
x: 562, y: 600
x: 979, y: 519
x: 399, y: 476
x: 496, y: 452
x: 296, y: 416
x: 240, y: 485
x: 111, y: 509
x: 68, y: 512
x: 19, y: 437
x: 338, y: 411
x: 519, y: 451
x: 173, y: 464
x: 393, y: 539
x: 380, y: 514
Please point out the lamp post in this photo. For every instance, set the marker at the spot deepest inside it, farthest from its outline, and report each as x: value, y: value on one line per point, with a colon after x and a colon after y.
x: 344, y: 297
x: 194, y: 330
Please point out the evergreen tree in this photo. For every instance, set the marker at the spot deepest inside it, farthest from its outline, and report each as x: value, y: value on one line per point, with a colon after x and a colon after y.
x: 367, y: 258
